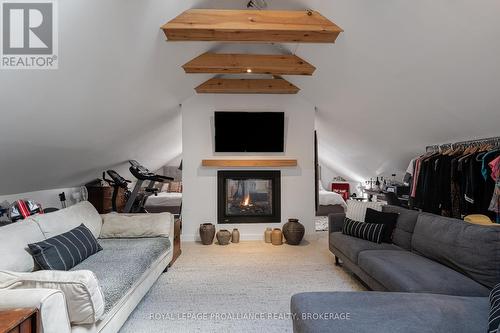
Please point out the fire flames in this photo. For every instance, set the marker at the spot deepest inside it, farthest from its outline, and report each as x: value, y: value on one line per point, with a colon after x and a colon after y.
x: 246, y: 200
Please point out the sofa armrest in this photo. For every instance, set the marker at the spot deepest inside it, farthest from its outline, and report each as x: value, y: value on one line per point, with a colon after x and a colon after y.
x: 335, y: 222
x: 137, y: 225
x: 83, y: 296
x: 51, y: 304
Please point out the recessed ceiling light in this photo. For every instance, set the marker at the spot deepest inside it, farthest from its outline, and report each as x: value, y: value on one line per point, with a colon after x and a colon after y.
x: 249, y: 70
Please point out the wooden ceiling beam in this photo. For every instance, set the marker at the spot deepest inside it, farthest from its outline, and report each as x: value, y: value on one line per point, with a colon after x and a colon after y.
x: 247, y: 86
x: 268, y: 26
x: 216, y: 63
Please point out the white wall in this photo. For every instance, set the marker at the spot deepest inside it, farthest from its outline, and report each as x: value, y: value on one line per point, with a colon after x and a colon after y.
x: 200, y: 184
x: 47, y: 198
x: 404, y: 74
x: 327, y: 175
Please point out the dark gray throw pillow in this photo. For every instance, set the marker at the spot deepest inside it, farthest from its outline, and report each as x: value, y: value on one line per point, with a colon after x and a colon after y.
x: 494, y: 318
x: 66, y: 250
x: 368, y: 231
x: 388, y: 219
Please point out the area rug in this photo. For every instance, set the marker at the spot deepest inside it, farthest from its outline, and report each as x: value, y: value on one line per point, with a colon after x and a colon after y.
x: 244, y: 287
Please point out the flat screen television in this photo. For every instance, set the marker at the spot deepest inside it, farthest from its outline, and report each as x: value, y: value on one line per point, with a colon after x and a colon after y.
x: 252, y: 132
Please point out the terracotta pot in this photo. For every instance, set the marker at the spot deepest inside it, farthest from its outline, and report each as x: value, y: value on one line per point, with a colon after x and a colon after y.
x: 293, y: 231
x: 223, y: 237
x: 236, y: 236
x: 277, y: 237
x: 267, y: 235
x: 207, y: 233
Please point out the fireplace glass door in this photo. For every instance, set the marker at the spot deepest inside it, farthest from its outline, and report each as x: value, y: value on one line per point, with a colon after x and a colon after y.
x: 249, y: 196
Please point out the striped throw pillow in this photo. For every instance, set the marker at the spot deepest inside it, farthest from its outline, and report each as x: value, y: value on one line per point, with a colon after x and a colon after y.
x: 357, y: 210
x: 66, y: 250
x: 494, y: 318
x: 369, y: 231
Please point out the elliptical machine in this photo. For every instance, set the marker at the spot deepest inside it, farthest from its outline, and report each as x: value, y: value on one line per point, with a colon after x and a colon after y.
x: 137, y: 199
x: 116, y: 182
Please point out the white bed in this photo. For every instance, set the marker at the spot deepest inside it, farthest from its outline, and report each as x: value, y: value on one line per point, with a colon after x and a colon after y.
x: 331, y: 198
x: 165, y: 199
x: 329, y: 202
x: 164, y: 202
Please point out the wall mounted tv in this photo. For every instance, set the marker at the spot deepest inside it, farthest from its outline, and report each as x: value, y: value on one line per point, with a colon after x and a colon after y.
x: 252, y: 132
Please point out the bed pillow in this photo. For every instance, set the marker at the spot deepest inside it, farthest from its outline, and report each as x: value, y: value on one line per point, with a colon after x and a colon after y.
x: 388, y: 219
x: 66, y: 250
x: 84, y: 297
x: 175, y: 187
x: 368, y: 231
x: 165, y: 187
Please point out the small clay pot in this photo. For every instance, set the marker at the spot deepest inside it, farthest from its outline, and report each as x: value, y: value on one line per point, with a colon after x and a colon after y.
x: 235, y: 236
x: 267, y: 235
x: 277, y: 237
x: 223, y: 237
x: 207, y: 233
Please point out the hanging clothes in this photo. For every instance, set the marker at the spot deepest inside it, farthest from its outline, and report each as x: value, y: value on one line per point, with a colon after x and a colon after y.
x: 455, y: 182
x: 495, y: 199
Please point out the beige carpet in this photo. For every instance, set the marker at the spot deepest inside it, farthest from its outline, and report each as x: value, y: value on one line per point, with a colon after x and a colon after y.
x: 229, y: 288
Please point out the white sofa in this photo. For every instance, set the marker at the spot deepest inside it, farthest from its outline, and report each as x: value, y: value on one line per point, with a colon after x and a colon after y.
x: 125, y: 269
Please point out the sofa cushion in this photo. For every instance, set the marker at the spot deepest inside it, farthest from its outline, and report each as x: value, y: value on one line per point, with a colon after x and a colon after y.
x: 389, y: 220
x: 136, y: 225
x: 372, y: 232
x: 356, y: 210
x: 371, y: 312
x: 66, y: 250
x: 474, y: 250
x: 408, y: 272
x: 352, y: 246
x: 122, y: 263
x: 14, y: 239
x: 84, y: 298
x: 53, y: 224
x: 405, y: 225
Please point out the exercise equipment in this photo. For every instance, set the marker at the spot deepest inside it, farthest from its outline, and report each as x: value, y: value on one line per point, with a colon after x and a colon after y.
x: 137, y: 199
x: 116, y: 182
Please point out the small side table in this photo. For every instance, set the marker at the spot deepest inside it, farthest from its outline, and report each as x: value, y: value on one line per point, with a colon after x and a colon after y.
x: 177, y: 241
x: 22, y: 320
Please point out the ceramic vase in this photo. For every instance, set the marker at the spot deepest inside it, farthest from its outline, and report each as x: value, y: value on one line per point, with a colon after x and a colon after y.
x: 223, y: 237
x: 293, y: 231
x: 267, y: 235
x: 277, y: 237
x: 207, y: 233
x: 235, y: 236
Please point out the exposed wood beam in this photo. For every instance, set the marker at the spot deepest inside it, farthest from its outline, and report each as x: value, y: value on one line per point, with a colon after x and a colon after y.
x: 247, y: 86
x: 249, y: 163
x: 251, y: 26
x: 217, y: 63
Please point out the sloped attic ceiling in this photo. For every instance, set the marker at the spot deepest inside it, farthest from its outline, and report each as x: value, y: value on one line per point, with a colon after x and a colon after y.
x: 404, y: 74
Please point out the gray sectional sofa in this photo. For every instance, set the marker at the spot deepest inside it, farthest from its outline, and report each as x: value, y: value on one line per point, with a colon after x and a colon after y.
x: 439, y: 271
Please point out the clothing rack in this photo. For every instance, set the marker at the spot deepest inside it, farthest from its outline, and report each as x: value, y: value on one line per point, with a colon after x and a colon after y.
x: 495, y: 141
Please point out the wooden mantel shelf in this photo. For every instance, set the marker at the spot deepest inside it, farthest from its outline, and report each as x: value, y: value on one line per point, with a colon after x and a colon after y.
x: 248, y: 163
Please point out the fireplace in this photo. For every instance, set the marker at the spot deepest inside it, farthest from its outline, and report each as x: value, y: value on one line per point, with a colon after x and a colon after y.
x: 249, y: 196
